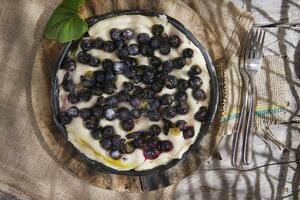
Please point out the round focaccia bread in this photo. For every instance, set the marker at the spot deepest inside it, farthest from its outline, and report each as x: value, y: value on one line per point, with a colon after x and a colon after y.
x: 134, y: 92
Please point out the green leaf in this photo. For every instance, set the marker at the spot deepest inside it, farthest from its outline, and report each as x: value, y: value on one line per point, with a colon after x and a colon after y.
x: 65, y: 24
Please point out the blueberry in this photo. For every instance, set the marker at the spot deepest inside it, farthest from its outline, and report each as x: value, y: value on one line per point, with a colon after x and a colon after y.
x: 99, y: 76
x: 110, y: 76
x: 167, y: 124
x: 116, y: 141
x: 128, y: 86
x: 182, y: 108
x: 115, y: 34
x: 166, y: 99
x: 146, y: 50
x: 130, y: 62
x: 138, y: 91
x: 109, y: 88
x: 182, y: 84
x: 152, y: 142
x: 110, y: 114
x: 109, y: 46
x: 178, y: 63
x: 151, y: 153
x: 171, y: 82
x: 84, y: 95
x: 155, y: 130
x: 161, y: 76
x: 108, y: 131
x: 167, y: 66
x: 97, y: 90
x: 69, y: 64
x: 165, y: 146
x: 157, y: 86
x: 154, y: 104
x: 127, y: 148
x: 119, y: 44
x: 129, y: 72
x: 201, y: 114
x: 96, y: 134
x: 181, y: 96
x: 98, y: 43
x: 164, y: 38
x: 143, y: 38
x: 91, y: 123
x: 85, y: 113
x: 148, y: 76
x: 188, y: 132
x: 136, y: 113
x: 119, y: 66
x: 194, y: 71
x: 115, y: 154
x: 73, y: 98
x: 106, y: 143
x: 169, y: 112
x: 100, y: 101
x: 198, y: 94
x: 195, y: 82
x: 181, y: 124
x: 122, y: 53
x: 65, y: 118
x: 107, y: 65
x: 174, y: 41
x: 124, y: 114
x: 157, y: 29
x: 154, y: 115
x: 128, y: 33
x: 155, y: 42
x: 86, y: 44
x: 135, y: 101
x: 188, y: 53
x: 123, y: 96
x: 136, y: 79
x: 66, y: 76
x: 133, y: 49
x: 73, y: 111
x: 83, y: 57
x: 148, y: 93
x: 68, y: 85
x: 155, y: 61
x: 86, y: 82
x: 94, y: 62
x: 97, y: 111
x: 127, y: 125
x: 112, y: 101
x: 134, y: 135
x: 139, y: 143
x: 164, y: 48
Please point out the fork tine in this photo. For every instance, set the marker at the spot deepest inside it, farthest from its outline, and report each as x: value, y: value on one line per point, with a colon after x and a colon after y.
x: 262, y: 44
x: 253, y: 46
x: 258, y: 44
x: 248, y: 44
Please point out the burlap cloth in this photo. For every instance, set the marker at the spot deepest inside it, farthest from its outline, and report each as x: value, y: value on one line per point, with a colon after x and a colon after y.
x: 26, y: 169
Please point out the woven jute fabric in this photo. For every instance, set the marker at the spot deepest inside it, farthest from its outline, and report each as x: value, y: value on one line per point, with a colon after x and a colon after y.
x: 271, y: 94
x: 26, y: 169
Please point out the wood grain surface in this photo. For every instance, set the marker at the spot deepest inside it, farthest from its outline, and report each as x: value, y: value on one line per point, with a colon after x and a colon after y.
x: 62, y: 151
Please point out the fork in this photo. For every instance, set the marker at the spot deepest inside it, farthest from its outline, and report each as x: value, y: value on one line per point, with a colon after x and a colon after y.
x: 250, y: 65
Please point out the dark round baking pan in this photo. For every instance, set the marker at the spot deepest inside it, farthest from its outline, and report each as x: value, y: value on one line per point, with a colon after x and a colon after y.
x: 212, y: 108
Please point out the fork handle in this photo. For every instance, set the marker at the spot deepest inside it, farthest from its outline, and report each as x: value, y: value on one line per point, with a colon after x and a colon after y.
x: 238, y: 139
x: 250, y: 127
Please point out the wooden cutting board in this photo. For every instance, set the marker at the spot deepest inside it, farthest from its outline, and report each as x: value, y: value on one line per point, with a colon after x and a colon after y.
x: 63, y: 152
